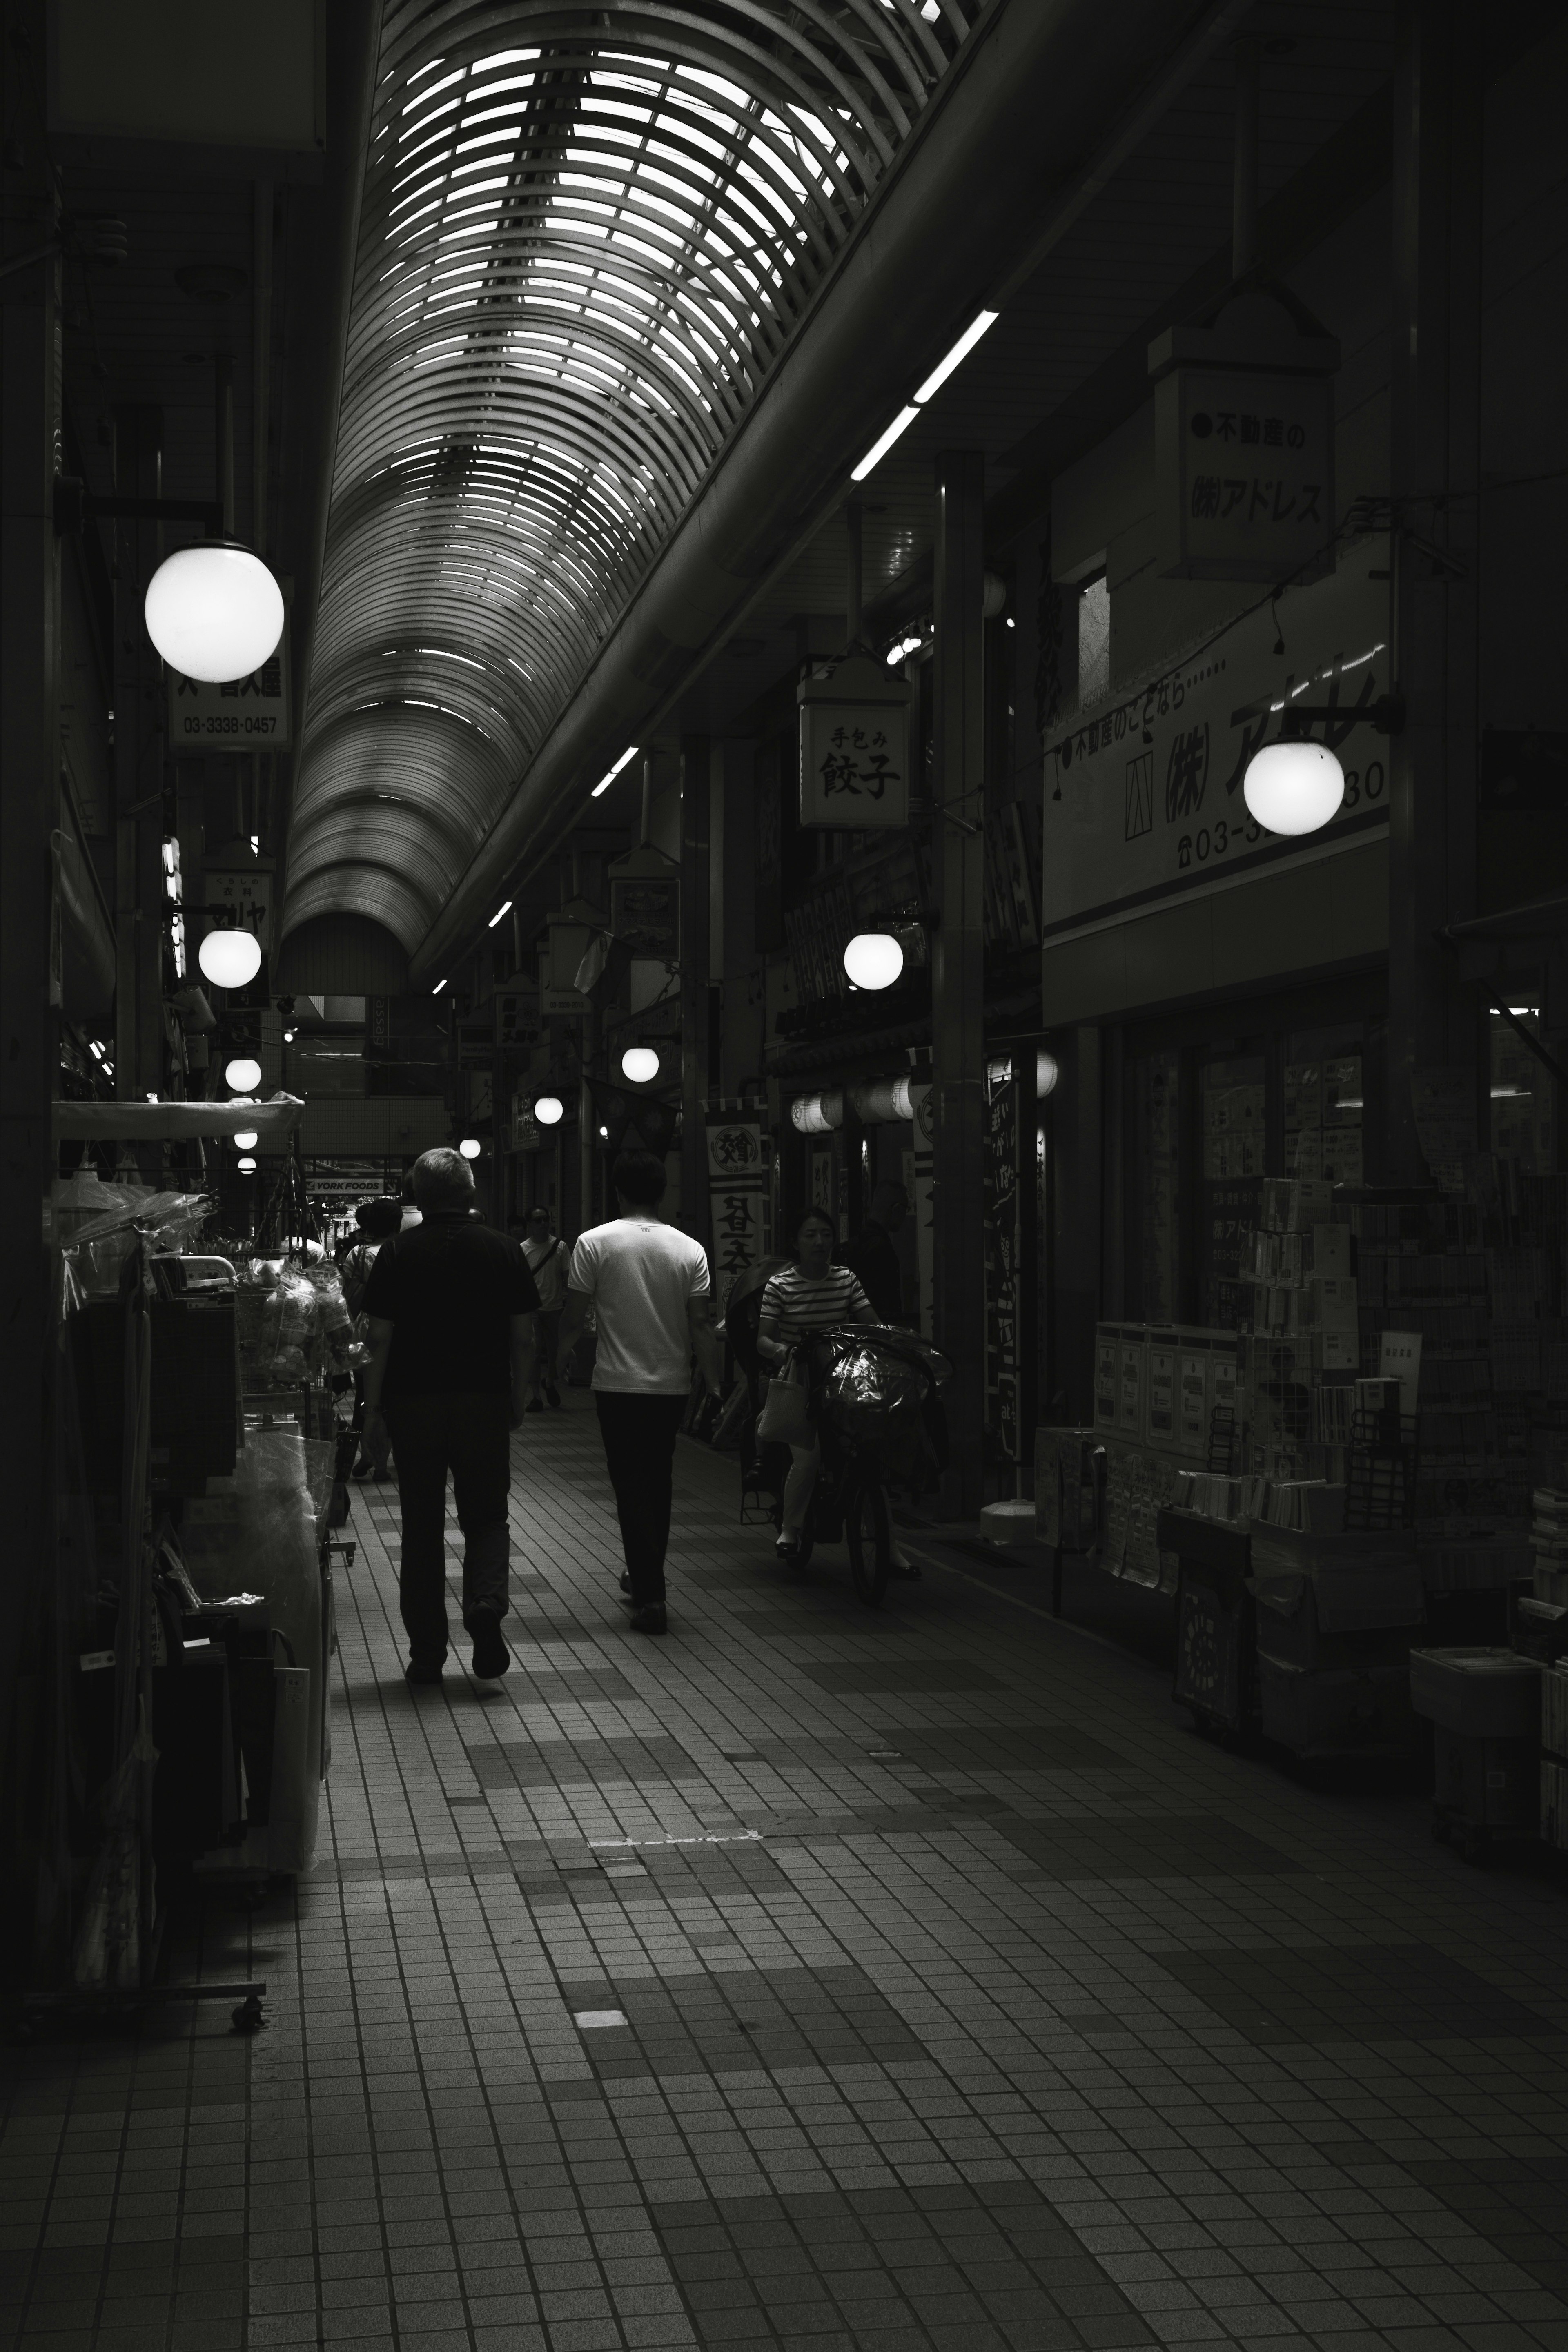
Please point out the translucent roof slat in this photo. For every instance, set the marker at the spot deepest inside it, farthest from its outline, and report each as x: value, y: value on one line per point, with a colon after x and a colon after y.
x: 586, y: 237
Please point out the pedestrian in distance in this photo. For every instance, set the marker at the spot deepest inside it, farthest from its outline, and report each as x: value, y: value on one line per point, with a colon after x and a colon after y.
x: 648, y: 1285
x: 449, y: 1307
x: 548, y: 1260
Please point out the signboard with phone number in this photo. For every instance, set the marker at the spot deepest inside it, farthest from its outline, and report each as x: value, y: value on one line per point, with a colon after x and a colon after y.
x: 1144, y: 793
x: 247, y: 714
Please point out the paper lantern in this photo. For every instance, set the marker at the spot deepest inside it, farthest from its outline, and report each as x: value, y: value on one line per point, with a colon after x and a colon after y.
x: 549, y: 1110
x: 1293, y: 787
x: 246, y: 1167
x: 873, y: 960
x: 470, y: 1147
x: 214, y: 611
x: 640, y: 1064
x: 246, y: 1140
x: 230, y: 958
x: 243, y: 1073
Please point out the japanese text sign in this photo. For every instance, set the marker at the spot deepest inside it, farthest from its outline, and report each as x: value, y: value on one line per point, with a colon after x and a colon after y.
x: 855, y: 748
x: 248, y: 714
x: 1244, y: 475
x: 736, y: 1189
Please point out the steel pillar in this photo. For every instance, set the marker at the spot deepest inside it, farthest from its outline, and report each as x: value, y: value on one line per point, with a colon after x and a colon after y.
x: 697, y: 757
x: 958, y: 853
x: 1434, y: 472
x: 139, y: 735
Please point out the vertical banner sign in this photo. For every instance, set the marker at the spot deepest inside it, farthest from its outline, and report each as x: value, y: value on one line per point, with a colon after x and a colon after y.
x: 737, y: 1181
x: 925, y: 1216
x: 1002, y: 1269
x: 854, y: 748
x: 240, y: 898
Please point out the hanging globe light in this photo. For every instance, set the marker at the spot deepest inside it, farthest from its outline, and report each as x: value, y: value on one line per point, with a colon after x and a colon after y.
x: 246, y: 1167
x: 470, y: 1147
x: 1294, y: 786
x: 214, y: 611
x: 230, y: 958
x: 246, y: 1140
x: 549, y: 1110
x: 640, y: 1064
x: 873, y: 960
x: 243, y: 1073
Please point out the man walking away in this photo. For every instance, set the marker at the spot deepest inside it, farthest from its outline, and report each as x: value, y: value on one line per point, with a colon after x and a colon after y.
x: 548, y: 1259
x: 872, y: 1257
x: 650, y: 1289
x: 450, y: 1308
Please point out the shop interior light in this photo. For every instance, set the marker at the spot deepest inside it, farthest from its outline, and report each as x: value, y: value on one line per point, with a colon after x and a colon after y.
x: 470, y: 1147
x: 246, y: 1167
x: 246, y: 1140
x: 604, y: 1130
x: 1293, y: 786
x: 549, y: 1110
x: 504, y: 908
x: 640, y: 1064
x: 230, y: 958
x: 608, y: 777
x: 873, y: 960
x: 243, y: 1073
x: 214, y: 611
x: 982, y: 325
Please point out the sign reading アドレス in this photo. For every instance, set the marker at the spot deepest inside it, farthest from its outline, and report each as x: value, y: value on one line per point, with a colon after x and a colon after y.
x: 1144, y: 793
x: 855, y: 747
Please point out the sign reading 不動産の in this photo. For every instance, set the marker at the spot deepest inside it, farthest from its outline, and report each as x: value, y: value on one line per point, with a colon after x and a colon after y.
x: 247, y: 714
x: 1144, y: 793
x: 855, y: 747
x: 1245, y: 469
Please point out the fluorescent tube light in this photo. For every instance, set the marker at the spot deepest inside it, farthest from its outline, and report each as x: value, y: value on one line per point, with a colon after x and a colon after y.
x: 504, y: 908
x: 879, y: 449
x: 440, y: 984
x: 956, y: 357
x: 607, y: 780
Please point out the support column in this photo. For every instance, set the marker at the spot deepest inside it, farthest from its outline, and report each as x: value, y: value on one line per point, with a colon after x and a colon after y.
x: 696, y: 791
x: 958, y: 964
x: 138, y: 770
x: 29, y: 796
x: 1434, y: 425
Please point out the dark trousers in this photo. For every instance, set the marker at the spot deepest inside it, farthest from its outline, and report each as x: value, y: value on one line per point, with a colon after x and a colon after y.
x: 639, y: 1433
x: 547, y: 1345
x: 470, y: 1436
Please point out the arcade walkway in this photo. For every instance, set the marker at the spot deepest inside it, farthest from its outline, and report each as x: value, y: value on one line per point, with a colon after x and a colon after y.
x: 819, y: 1979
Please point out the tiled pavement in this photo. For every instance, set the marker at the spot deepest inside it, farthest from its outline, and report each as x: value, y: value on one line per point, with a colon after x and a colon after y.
x: 965, y: 1998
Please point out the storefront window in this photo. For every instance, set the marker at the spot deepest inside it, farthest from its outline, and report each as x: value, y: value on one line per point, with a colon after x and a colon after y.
x: 1324, y: 1106
x: 1523, y: 1097
x: 1159, y: 1193
x: 1232, y: 1097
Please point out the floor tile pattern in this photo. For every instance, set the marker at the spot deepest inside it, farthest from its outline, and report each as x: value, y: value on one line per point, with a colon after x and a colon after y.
x: 971, y: 2000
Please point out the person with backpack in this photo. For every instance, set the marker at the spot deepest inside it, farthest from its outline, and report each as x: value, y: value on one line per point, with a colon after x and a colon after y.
x: 548, y: 1260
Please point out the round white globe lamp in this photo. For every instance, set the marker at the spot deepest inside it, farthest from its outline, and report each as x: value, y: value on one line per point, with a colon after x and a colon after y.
x: 470, y: 1147
x: 873, y: 960
x: 243, y: 1073
x: 549, y: 1110
x: 1293, y: 787
x: 230, y: 958
x: 246, y: 1167
x: 246, y: 1140
x: 640, y: 1064
x: 214, y: 611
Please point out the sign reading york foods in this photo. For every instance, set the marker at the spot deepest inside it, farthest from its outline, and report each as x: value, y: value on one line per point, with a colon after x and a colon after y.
x: 1143, y: 800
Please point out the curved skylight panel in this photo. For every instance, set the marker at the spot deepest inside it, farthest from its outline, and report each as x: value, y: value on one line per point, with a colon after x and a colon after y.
x: 586, y: 236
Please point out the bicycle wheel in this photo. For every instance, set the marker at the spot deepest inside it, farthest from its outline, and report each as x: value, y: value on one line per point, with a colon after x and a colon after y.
x: 868, y: 1537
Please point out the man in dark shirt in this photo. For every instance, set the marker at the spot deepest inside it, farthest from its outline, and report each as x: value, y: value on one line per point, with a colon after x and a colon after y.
x: 450, y: 1308
x: 872, y: 1257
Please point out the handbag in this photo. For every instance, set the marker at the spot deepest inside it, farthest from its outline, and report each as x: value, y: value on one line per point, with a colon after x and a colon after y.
x: 786, y: 1416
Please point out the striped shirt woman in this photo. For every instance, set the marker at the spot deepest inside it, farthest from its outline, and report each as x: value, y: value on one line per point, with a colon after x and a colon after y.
x: 813, y: 1295
x: 799, y: 1303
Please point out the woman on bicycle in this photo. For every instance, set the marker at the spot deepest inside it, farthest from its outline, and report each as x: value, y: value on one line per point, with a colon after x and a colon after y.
x: 812, y: 1295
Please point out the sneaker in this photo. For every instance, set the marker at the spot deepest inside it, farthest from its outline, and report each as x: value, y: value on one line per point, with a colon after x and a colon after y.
x: 534, y: 1405
x: 626, y: 1582
x: 417, y: 1670
x: 552, y: 1398
x: 491, y: 1656
x: 650, y: 1618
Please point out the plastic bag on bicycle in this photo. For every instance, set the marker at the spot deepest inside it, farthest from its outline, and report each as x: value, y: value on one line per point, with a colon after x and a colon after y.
x: 872, y: 1402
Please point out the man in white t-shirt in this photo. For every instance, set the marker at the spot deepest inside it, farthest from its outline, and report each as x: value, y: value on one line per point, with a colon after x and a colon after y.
x: 648, y: 1285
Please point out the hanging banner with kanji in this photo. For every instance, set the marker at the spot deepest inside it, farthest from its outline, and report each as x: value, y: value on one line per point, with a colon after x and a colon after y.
x: 854, y: 748
x: 737, y: 1184
x: 1143, y: 798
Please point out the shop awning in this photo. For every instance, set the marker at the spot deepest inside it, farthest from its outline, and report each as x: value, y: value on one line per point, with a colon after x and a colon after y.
x: 177, y: 1122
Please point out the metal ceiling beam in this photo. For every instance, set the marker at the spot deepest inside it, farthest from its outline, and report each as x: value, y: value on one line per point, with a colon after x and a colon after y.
x: 953, y: 218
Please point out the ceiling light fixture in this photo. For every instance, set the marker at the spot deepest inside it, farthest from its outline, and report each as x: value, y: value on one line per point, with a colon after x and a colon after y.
x: 230, y: 958
x: 440, y: 984
x: 606, y: 781
x: 879, y: 448
x: 504, y: 908
x: 979, y: 325
x: 214, y: 611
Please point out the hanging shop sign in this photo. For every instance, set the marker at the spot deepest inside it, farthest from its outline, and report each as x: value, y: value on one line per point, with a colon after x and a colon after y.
x: 855, y: 747
x: 240, y: 897
x: 1002, y: 1269
x: 519, y: 1024
x: 1143, y: 801
x: 737, y: 1189
x: 1244, y: 445
x: 247, y: 714
x: 921, y: 1187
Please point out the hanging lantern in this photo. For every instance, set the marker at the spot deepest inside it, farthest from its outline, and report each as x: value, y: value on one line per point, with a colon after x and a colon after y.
x: 470, y: 1147
x: 230, y: 960
x: 246, y: 1167
x: 246, y: 1140
x: 243, y: 1073
x: 1294, y: 786
x: 549, y: 1110
x: 214, y: 611
x: 640, y: 1064
x: 873, y: 960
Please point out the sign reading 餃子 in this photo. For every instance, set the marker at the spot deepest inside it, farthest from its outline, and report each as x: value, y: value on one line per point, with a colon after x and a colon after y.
x: 855, y: 747
x: 1144, y: 793
x: 248, y: 714
x: 737, y: 1176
